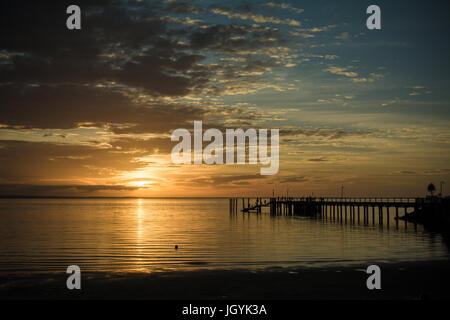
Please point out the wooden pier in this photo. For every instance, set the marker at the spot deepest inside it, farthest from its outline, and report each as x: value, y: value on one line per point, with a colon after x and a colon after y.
x: 338, y: 209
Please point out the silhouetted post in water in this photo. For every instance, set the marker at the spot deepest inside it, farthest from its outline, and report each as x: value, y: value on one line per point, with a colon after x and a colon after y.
x: 364, y: 214
x: 381, y: 216
x: 359, y: 207
x: 406, y: 214
x: 387, y: 216
x: 396, y: 217
x: 373, y: 215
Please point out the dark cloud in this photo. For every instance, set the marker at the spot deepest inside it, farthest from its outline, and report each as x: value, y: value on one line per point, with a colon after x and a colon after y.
x: 117, y: 43
x: 157, y: 72
x: 55, y: 78
x: 65, y: 107
x: 224, y: 180
x: 321, y: 159
x: 184, y: 7
x: 159, y: 145
x: 231, y: 38
x: 133, y: 47
x: 423, y: 172
x: 293, y: 179
x: 58, y: 190
x: 330, y: 134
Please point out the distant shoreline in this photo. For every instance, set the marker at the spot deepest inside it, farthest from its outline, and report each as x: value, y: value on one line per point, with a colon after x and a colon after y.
x: 101, y: 197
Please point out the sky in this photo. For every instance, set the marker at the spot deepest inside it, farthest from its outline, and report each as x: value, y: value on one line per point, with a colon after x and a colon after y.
x: 90, y: 112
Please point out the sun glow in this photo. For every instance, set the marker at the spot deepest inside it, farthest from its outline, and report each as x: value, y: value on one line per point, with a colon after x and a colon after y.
x: 140, y: 183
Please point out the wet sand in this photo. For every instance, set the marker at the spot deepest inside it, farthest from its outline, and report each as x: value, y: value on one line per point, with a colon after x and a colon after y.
x: 410, y: 281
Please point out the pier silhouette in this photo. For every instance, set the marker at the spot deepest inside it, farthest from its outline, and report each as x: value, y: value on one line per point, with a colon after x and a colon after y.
x: 342, y: 208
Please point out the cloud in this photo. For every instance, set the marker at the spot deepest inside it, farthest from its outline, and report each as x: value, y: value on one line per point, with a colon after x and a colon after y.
x: 342, y: 36
x: 254, y: 17
x: 341, y: 71
x: 371, y: 78
x: 419, y: 90
x: 286, y: 6
x: 317, y: 29
x: 391, y: 102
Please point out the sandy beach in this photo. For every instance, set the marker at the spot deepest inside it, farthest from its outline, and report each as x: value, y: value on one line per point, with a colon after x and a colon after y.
x: 403, y: 281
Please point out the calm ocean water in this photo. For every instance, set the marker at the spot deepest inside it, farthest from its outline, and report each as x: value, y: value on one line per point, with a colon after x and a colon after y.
x: 128, y: 235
